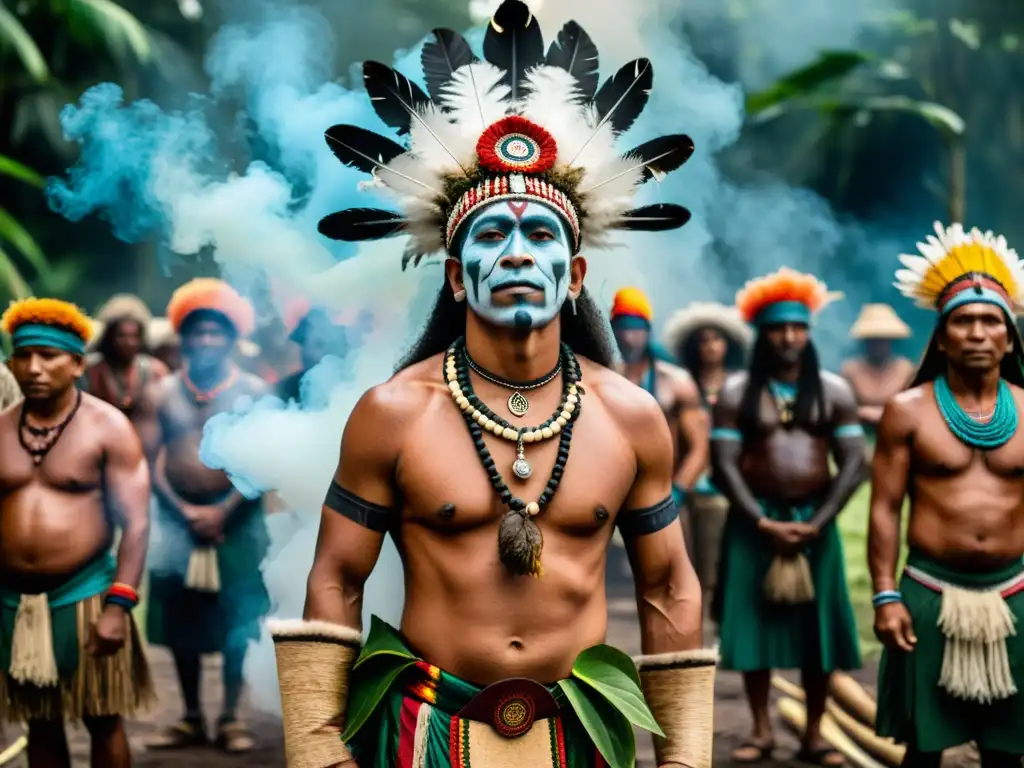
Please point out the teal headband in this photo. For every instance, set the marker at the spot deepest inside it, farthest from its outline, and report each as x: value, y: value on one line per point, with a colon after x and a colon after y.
x: 977, y: 296
x: 783, y: 312
x: 631, y: 323
x: 39, y: 335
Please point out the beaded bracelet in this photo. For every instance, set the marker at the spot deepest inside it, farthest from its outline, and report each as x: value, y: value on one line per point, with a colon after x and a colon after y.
x: 885, y: 597
x: 122, y: 595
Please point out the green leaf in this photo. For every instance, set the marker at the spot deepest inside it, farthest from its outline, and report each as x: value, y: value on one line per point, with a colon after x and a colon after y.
x: 14, y: 169
x: 382, y: 640
x: 368, y: 688
x: 22, y: 241
x: 11, y: 279
x: 607, y: 727
x: 829, y: 66
x: 13, y: 33
x: 118, y: 28
x: 943, y: 118
x: 612, y: 674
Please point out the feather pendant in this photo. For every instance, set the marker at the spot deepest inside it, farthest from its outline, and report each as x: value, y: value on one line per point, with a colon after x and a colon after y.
x: 513, y: 43
x: 359, y: 148
x: 663, y: 155
x: 356, y: 224
x: 624, y: 95
x: 442, y: 55
x: 575, y: 52
x: 395, y: 97
x: 654, y: 218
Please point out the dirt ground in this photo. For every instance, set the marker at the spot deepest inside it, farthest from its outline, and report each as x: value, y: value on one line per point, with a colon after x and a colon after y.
x: 731, y: 717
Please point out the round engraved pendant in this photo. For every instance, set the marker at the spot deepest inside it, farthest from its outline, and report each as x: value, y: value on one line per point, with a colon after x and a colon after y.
x: 522, y: 469
x: 518, y: 405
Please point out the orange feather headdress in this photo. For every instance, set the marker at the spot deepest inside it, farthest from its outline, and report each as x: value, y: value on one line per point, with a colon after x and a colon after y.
x: 51, y: 314
x: 783, y: 296
x: 211, y: 295
x: 632, y: 302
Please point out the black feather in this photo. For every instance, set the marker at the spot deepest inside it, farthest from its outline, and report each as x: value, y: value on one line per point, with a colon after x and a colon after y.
x: 661, y: 155
x: 355, y: 224
x: 575, y: 52
x: 411, y: 256
x: 514, y: 43
x: 624, y: 95
x: 444, y: 53
x: 394, y: 96
x: 654, y: 218
x: 359, y: 148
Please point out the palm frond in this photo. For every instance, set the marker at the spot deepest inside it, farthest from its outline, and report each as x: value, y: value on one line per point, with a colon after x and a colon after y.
x: 805, y: 81
x: 18, y: 238
x: 16, y: 170
x: 115, y: 26
x: 11, y: 281
x: 14, y: 34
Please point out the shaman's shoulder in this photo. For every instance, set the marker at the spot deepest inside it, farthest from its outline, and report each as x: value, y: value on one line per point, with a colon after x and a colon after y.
x: 634, y: 410
x: 837, y: 389
x: 407, y: 393
x: 732, y: 390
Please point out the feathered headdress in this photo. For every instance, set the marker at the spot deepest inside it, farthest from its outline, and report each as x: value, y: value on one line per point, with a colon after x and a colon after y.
x: 54, y: 323
x: 786, y: 296
x: 957, y: 267
x: 632, y: 302
x: 519, y: 125
x: 211, y: 295
x: 699, y: 314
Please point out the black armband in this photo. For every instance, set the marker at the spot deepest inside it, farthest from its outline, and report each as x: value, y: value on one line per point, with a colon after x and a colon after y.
x: 640, y: 522
x: 365, y: 513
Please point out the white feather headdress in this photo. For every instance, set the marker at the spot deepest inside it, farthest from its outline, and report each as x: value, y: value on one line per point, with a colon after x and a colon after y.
x: 519, y: 125
x: 953, y: 261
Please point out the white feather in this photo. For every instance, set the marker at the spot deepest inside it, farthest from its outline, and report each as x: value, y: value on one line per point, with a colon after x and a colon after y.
x: 553, y: 101
x: 475, y: 98
x: 438, y: 145
x: 407, y: 176
x: 915, y: 264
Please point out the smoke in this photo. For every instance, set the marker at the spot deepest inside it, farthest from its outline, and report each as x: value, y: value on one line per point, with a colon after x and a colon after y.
x: 179, y: 177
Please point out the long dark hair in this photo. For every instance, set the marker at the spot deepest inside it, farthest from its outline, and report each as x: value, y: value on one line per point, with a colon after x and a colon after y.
x: 933, y: 364
x: 688, y: 354
x: 583, y: 329
x: 810, y: 395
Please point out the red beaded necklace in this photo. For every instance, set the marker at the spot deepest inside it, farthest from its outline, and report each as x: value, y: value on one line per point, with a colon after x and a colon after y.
x: 209, y: 395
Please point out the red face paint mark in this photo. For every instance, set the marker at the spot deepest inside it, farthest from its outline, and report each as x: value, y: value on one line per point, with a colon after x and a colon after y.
x: 518, y: 208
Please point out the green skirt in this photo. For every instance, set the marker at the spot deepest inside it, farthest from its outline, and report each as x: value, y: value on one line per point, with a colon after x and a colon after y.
x: 756, y: 634
x: 208, y: 622
x: 912, y: 708
x: 404, y: 713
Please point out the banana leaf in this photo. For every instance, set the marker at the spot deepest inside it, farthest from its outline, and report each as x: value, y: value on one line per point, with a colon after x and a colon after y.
x: 16, y: 170
x: 14, y: 34
x: 613, y: 674
x: 383, y: 658
x: 382, y: 640
x: 607, y: 727
x: 16, y: 235
x: 829, y: 67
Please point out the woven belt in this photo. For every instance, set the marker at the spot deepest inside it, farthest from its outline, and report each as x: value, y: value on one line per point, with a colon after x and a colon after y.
x: 1005, y: 589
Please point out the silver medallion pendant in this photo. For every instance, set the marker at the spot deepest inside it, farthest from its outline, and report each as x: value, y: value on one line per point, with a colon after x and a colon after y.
x: 521, y: 468
x: 518, y: 405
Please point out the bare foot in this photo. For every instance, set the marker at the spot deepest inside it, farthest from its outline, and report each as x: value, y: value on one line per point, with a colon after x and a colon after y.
x: 754, y: 750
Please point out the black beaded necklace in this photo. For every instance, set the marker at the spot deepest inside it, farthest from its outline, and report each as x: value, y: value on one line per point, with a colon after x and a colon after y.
x: 520, y: 541
x: 51, y: 434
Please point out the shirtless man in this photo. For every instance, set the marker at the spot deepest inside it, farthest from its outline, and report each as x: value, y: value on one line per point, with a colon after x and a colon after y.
x: 206, y: 590
x: 673, y: 388
x: 879, y: 374
x: 783, y: 601
x: 710, y: 341
x: 504, y: 578
x: 953, y: 663
x: 123, y: 371
x: 71, y: 472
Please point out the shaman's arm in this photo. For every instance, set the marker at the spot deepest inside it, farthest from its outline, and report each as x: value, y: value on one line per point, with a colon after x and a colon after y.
x: 676, y: 674
x: 847, y: 441
x: 126, y: 482
x: 727, y: 447
x: 315, y: 654
x: 890, y: 471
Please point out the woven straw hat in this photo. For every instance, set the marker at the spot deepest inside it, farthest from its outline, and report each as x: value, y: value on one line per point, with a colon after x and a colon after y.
x: 879, y: 321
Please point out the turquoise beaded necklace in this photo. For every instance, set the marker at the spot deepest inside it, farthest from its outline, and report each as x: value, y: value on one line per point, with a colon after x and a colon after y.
x: 995, y: 432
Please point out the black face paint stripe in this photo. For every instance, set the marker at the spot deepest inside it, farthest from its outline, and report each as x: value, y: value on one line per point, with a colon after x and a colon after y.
x: 558, y: 269
x: 472, y: 269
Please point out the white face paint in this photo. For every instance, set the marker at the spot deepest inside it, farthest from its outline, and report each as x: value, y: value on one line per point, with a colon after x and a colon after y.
x: 515, y: 263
